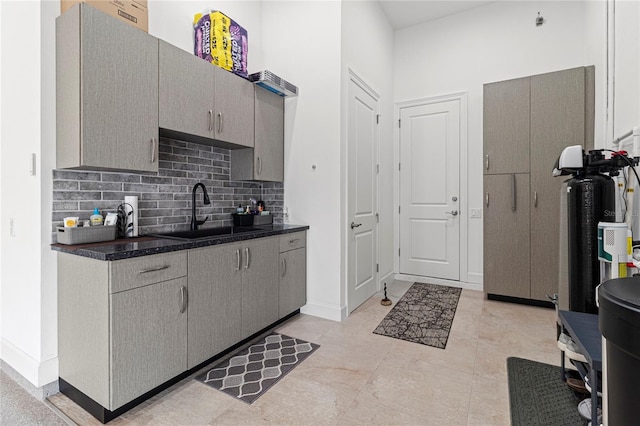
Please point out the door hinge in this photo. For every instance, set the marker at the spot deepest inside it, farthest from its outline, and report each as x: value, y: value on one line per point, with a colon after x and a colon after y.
x: 377, y: 218
x: 377, y: 267
x: 377, y: 168
x: 398, y: 166
x: 398, y: 209
x: 398, y: 252
x: 399, y: 125
x: 377, y: 118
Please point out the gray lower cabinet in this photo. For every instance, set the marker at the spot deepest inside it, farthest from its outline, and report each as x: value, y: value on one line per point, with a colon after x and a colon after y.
x: 106, y: 93
x: 259, y: 265
x: 215, y: 301
x: 266, y: 161
x: 293, y: 273
x: 122, y: 325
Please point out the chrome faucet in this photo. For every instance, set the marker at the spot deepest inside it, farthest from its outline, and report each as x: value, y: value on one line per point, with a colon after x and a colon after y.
x: 194, y: 221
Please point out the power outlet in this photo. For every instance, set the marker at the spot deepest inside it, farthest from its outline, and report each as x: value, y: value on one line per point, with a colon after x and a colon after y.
x: 477, y: 213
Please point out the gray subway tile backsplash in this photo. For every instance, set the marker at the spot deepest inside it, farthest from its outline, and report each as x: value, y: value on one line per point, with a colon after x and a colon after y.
x: 164, y: 198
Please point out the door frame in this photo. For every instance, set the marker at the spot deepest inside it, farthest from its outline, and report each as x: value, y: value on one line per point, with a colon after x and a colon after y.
x: 352, y: 76
x: 461, y: 98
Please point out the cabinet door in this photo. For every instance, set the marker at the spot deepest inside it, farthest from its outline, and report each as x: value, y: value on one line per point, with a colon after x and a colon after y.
x: 186, y: 92
x: 234, y: 111
x: 269, y: 136
x: 119, y: 94
x: 215, y: 295
x: 293, y: 281
x: 148, y: 338
x: 557, y: 121
x: 506, y: 235
x: 506, y: 127
x: 260, y: 284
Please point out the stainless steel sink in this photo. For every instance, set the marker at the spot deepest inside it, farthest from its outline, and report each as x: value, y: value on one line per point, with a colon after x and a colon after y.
x: 202, y: 234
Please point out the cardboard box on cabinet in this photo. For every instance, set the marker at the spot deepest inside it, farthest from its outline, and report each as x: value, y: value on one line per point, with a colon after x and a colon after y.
x: 133, y: 12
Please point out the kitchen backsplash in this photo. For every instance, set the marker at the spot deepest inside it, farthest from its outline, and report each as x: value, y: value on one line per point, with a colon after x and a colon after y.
x: 164, y: 198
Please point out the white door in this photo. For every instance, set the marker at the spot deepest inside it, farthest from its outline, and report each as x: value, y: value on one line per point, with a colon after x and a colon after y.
x: 430, y: 190
x: 362, y: 191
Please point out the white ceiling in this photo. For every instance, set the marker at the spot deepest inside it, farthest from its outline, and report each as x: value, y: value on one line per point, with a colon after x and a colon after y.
x: 403, y: 13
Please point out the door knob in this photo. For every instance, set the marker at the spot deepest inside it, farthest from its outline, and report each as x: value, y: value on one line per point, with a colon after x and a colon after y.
x: 453, y: 213
x: 355, y: 225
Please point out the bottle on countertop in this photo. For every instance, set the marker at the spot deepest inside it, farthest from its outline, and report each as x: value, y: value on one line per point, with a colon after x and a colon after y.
x: 239, y: 209
x: 96, y: 218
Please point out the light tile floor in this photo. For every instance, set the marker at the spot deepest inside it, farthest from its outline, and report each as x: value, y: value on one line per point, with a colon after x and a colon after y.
x: 360, y: 378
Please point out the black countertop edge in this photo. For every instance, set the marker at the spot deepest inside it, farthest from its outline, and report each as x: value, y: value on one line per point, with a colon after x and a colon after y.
x: 128, y: 248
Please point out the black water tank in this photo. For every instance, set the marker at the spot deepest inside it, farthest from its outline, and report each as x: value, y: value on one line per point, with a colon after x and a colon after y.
x: 590, y: 199
x: 619, y: 322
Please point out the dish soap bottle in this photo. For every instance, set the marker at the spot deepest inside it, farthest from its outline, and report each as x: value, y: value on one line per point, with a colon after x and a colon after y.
x: 96, y: 218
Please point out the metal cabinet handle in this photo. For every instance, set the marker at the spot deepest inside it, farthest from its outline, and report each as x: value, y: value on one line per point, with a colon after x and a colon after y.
x: 219, y: 122
x: 453, y: 213
x: 535, y: 198
x: 153, y: 150
x: 513, y: 193
x: 237, y: 259
x: 183, y: 299
x: 487, y: 199
x: 259, y: 166
x: 486, y: 161
x: 210, y: 120
x: 284, y: 268
x: 293, y: 241
x: 246, y: 258
x: 159, y: 268
x: 355, y: 225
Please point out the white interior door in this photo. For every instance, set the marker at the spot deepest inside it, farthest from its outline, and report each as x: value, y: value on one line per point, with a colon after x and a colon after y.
x: 362, y: 192
x: 430, y: 190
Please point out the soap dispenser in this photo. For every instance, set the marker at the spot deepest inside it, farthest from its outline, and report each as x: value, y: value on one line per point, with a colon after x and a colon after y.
x: 96, y: 218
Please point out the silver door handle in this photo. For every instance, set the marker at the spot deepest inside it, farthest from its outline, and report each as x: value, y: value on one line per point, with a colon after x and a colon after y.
x: 237, y: 259
x: 183, y: 299
x: 284, y: 268
x: 513, y: 193
x: 453, y: 213
x: 535, y: 198
x: 486, y: 197
x: 159, y: 268
x: 246, y: 258
x: 355, y: 225
x: 210, y: 120
x: 486, y: 161
x: 219, y: 122
x: 153, y: 150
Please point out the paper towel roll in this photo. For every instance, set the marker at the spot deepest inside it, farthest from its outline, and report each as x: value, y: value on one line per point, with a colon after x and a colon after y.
x: 131, y: 208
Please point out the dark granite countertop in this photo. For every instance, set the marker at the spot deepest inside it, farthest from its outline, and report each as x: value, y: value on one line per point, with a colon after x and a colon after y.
x: 144, y: 246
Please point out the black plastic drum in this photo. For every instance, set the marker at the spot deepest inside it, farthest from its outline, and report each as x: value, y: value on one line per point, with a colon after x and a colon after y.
x: 590, y: 199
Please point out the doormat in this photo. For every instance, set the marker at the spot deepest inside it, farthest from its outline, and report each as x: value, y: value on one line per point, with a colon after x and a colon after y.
x: 253, y: 370
x: 538, y: 396
x: 424, y: 314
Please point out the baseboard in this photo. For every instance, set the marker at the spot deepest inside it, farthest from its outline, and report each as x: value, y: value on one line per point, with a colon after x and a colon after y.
x: 39, y: 393
x: 388, y: 277
x: 322, y: 310
x: 450, y: 283
x: 475, y: 278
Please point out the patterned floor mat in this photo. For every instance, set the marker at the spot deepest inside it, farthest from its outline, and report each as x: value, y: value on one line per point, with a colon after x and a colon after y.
x: 252, y: 371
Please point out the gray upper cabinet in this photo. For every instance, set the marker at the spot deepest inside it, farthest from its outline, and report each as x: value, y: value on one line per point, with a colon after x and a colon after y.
x: 106, y: 92
x: 266, y: 161
x: 506, y: 126
x: 187, y: 92
x: 234, y: 113
x: 215, y: 296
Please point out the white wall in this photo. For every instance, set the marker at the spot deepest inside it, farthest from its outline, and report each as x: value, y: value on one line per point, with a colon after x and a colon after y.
x: 367, y: 49
x: 495, y: 42
x: 301, y: 43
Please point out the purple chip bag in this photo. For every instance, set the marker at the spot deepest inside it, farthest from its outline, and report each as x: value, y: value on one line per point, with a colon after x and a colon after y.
x: 239, y: 47
x: 202, y: 31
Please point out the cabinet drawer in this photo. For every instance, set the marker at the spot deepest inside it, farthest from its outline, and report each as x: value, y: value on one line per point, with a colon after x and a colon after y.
x: 293, y: 241
x: 139, y: 271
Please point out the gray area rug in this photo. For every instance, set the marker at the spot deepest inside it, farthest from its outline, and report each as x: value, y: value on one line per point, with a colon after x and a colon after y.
x: 424, y: 314
x: 538, y: 396
x: 253, y: 370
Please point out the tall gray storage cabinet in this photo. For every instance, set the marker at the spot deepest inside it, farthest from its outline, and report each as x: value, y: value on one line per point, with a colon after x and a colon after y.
x: 527, y: 123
